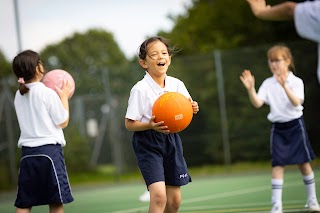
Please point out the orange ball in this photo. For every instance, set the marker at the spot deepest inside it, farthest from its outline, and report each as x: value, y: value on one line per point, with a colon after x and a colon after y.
x: 174, y: 109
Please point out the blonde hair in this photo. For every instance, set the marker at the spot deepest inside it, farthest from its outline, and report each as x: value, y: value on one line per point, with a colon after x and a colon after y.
x: 283, y: 51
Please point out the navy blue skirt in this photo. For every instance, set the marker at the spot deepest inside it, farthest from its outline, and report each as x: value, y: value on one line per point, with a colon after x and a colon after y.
x: 43, y: 178
x: 160, y: 158
x: 289, y: 143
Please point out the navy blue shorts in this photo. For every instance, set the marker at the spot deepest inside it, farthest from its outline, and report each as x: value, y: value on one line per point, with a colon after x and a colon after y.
x: 289, y: 143
x: 43, y: 178
x: 160, y: 158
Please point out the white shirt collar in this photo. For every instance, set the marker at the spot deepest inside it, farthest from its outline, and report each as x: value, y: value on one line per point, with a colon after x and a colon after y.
x: 289, y: 77
x: 154, y: 86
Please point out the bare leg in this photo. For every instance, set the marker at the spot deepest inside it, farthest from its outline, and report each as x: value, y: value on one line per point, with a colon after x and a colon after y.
x: 277, y: 172
x: 173, y: 199
x: 24, y: 210
x: 158, y: 197
x: 305, y: 169
x: 56, y: 208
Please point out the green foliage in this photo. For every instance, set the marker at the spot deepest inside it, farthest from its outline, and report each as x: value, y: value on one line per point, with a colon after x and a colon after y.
x: 197, y: 74
x: 5, y: 67
x: 89, y: 57
x: 77, y: 151
x: 5, y: 179
x: 104, y: 76
x: 212, y: 24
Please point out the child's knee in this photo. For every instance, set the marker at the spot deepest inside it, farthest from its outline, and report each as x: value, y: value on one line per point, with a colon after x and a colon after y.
x: 174, y: 202
x: 159, y: 199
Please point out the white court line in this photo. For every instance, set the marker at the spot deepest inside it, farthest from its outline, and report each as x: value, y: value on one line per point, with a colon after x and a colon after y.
x: 235, y: 205
x: 288, y: 211
x: 243, y: 207
x: 235, y: 193
x: 133, y: 210
x: 215, y: 196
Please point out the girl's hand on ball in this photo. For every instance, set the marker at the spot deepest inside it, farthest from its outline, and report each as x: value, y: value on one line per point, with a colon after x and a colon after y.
x: 158, y: 126
x: 195, y: 106
x: 65, y: 90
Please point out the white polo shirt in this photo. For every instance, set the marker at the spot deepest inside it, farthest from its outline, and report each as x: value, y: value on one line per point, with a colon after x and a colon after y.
x: 146, y: 91
x: 307, y: 23
x: 39, y: 112
x: 273, y: 94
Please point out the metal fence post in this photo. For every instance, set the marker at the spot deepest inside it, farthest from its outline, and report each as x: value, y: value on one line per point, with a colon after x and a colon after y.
x: 222, y: 106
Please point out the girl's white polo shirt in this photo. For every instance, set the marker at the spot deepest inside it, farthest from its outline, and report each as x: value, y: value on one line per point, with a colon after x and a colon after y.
x: 39, y: 113
x: 146, y: 91
x: 273, y: 94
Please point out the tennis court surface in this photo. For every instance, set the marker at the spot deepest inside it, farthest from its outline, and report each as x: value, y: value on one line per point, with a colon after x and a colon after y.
x: 250, y: 192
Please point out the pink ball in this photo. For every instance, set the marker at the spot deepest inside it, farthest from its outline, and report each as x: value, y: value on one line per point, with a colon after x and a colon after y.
x: 55, y: 78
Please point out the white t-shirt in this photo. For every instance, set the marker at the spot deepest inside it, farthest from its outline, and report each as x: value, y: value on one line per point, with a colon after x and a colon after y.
x: 145, y: 92
x: 307, y: 23
x: 273, y: 94
x: 39, y: 113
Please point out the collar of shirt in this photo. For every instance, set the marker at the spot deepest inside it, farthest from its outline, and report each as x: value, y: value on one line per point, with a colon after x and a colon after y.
x: 154, y: 86
x: 289, y: 78
x: 33, y: 84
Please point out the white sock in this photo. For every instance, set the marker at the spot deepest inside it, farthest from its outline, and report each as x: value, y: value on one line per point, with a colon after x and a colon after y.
x: 277, y: 185
x: 310, y: 186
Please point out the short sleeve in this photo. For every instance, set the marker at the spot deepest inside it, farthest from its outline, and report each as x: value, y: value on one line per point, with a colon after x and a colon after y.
x: 307, y: 20
x: 55, y: 108
x: 298, y: 89
x: 183, y: 89
x: 135, y: 107
x: 262, y: 92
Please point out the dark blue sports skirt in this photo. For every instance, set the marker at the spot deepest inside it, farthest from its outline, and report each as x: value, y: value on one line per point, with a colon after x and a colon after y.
x: 43, y: 178
x: 289, y: 143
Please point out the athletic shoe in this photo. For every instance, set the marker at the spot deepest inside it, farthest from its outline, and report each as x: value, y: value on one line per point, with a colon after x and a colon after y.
x: 145, y: 197
x: 276, y: 208
x: 313, y: 205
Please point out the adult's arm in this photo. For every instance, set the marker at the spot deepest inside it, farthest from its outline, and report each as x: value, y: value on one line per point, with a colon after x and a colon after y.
x: 280, y: 12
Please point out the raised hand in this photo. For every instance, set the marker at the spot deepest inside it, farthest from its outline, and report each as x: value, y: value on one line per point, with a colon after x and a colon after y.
x: 247, y: 79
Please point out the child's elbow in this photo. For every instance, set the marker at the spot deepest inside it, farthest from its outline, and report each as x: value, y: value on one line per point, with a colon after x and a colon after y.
x: 290, y: 7
x: 258, y: 104
x: 127, y: 124
x: 64, y: 124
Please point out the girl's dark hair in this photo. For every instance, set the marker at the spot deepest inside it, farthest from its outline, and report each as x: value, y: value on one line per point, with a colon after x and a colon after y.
x: 143, y: 49
x: 24, y: 66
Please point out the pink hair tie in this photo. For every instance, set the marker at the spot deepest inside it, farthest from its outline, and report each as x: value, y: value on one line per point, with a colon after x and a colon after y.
x: 21, y: 80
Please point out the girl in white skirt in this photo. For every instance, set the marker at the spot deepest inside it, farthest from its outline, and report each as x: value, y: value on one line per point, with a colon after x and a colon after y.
x: 289, y: 143
x: 42, y: 114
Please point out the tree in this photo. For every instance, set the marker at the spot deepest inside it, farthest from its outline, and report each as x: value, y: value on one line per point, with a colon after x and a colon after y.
x: 224, y: 26
x: 213, y: 24
x: 86, y: 56
x: 102, y: 81
x: 4, y: 66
